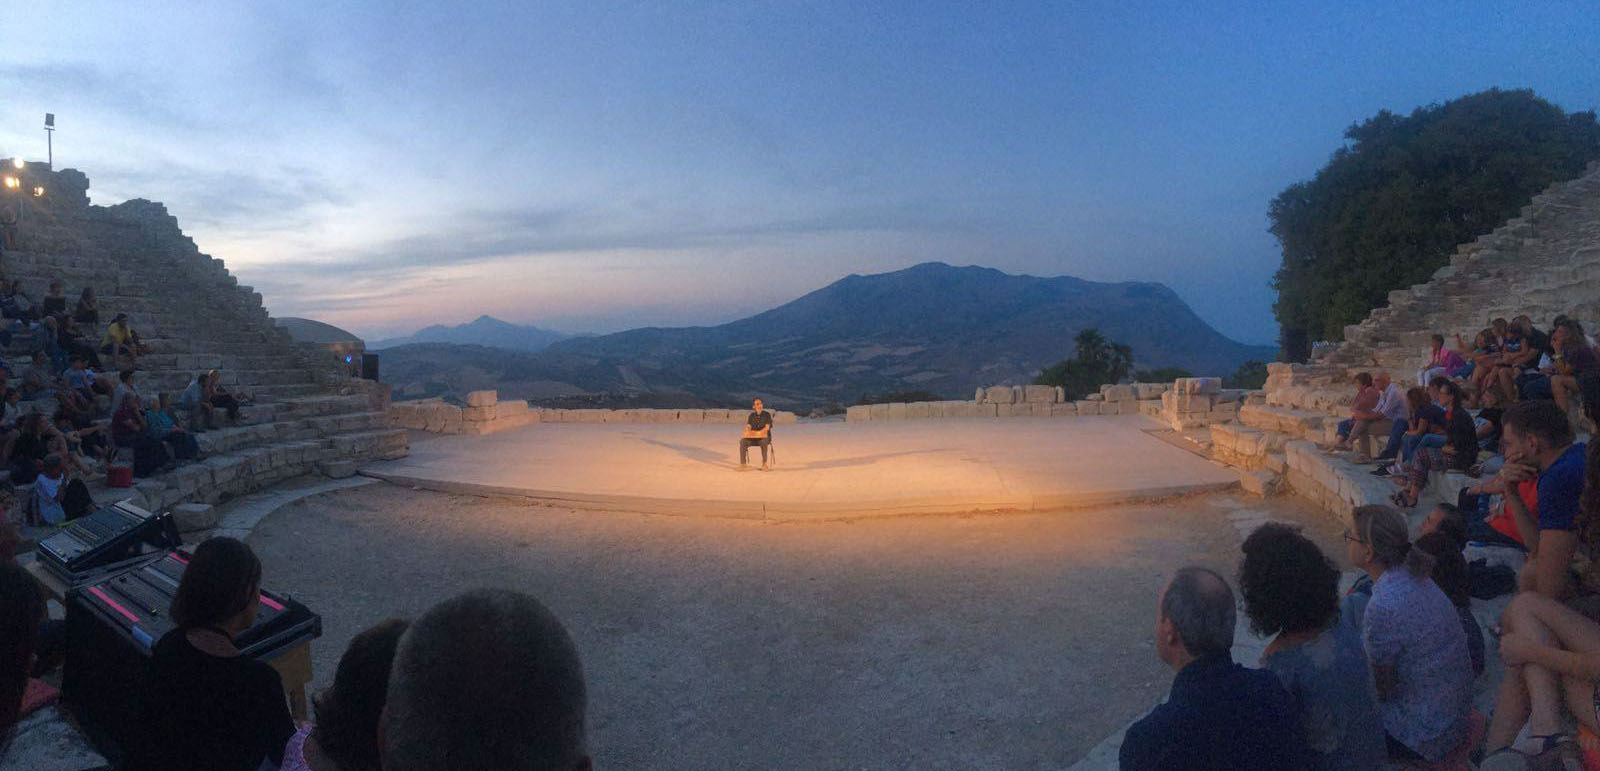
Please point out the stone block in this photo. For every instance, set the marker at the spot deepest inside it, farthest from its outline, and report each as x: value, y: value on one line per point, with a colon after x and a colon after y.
x: 1150, y: 390
x: 986, y: 410
x: 337, y: 469
x: 1061, y: 395
x: 1094, y: 397
x: 509, y: 408
x: 979, y: 396
x: 1260, y: 483
x: 1064, y: 410
x: 1088, y: 407
x: 1150, y: 407
x: 1117, y: 393
x: 1039, y: 394
x: 999, y: 395
x: 1005, y: 410
x: 919, y: 410
x: 1016, y: 394
x: 782, y: 417
x: 1198, y: 385
x: 482, y: 398
x: 478, y: 414
x: 1225, y: 409
x: 1040, y: 409
x: 880, y: 411
x: 897, y: 411
x: 858, y: 413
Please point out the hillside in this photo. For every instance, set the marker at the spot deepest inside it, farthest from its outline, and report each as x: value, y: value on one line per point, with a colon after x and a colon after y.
x: 930, y: 327
x: 484, y: 330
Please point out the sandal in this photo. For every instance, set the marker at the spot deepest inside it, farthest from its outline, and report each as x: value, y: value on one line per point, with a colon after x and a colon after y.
x: 1556, y: 752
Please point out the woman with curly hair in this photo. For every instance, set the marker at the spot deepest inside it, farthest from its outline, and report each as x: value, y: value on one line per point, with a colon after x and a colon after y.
x: 345, y: 736
x: 1291, y: 593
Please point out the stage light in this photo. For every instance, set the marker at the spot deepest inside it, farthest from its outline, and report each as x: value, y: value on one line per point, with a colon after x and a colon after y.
x: 38, y: 192
x: 12, y: 183
x: 18, y: 162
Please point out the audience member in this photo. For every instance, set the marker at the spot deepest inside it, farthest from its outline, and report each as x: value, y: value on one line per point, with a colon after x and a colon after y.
x: 1424, y: 428
x: 22, y: 611
x: 129, y: 429
x: 121, y: 340
x: 123, y: 388
x: 1393, y: 407
x: 1290, y: 592
x: 1538, y: 435
x: 205, y: 705
x: 54, y: 302
x: 58, y: 496
x: 196, y: 404
x: 488, y: 679
x: 1488, y: 420
x: 1414, y: 641
x: 1364, y: 420
x: 1484, y: 356
x: 1574, y: 361
x: 1450, y: 575
x: 1442, y: 362
x: 1458, y: 452
x: 73, y: 341
x: 14, y: 303
x: 27, y: 448
x: 219, y: 396
x: 345, y: 734
x: 87, y: 310
x: 163, y: 427
x: 1552, y: 656
x: 37, y: 378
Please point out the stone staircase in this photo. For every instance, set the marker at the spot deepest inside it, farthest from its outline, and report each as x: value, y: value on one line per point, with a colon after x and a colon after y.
x: 194, y: 315
x: 1543, y: 263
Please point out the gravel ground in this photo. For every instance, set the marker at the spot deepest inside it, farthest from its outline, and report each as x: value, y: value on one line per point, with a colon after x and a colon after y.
x: 989, y: 641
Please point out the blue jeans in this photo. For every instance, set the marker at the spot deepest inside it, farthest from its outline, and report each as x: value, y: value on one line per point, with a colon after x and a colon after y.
x: 1392, y: 447
x: 1413, y: 442
x: 1345, y: 426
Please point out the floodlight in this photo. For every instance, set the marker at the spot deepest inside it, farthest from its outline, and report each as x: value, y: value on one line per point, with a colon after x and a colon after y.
x: 18, y: 162
x: 12, y: 183
x: 38, y: 191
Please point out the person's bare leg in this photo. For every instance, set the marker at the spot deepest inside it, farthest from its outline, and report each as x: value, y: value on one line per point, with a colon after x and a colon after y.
x: 1508, y: 382
x: 1580, y: 701
x: 1510, y: 711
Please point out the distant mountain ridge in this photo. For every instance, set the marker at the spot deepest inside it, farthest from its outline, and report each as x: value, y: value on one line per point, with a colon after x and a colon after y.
x: 929, y: 327
x: 484, y: 330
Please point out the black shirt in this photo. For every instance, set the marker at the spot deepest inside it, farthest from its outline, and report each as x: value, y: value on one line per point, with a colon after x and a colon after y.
x: 1541, y: 342
x: 759, y: 420
x: 1219, y: 715
x: 1461, y: 433
x: 207, y: 712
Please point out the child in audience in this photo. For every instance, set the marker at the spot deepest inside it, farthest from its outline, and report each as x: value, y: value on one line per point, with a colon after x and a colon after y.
x: 1442, y: 361
x: 1485, y: 355
x: 1290, y: 592
x: 345, y: 734
x: 1414, y: 641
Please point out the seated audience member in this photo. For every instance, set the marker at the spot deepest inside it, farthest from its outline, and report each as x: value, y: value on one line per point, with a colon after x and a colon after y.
x: 22, y: 611
x: 1414, y: 641
x: 11, y: 412
x: 1552, y: 656
x: 1364, y: 419
x: 1574, y: 361
x: 1218, y: 715
x: 1291, y: 594
x: 87, y: 310
x: 59, y: 496
x: 1458, y: 453
x: 27, y: 449
x: 54, y: 302
x: 1450, y: 575
x: 14, y: 303
x: 48, y: 340
x: 487, y: 679
x: 88, y: 441
x: 37, y: 379
x: 196, y: 405
x: 129, y: 429
x: 1424, y: 428
x: 121, y: 340
x: 1442, y: 362
x: 219, y: 396
x: 123, y: 388
x: 162, y: 426
x: 345, y: 734
x: 1539, y: 436
x: 1488, y: 420
x: 1485, y: 354
x: 1393, y: 407
x: 205, y: 705
x: 74, y: 343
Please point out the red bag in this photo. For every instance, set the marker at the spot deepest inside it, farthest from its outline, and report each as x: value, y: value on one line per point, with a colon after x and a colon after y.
x: 119, y: 476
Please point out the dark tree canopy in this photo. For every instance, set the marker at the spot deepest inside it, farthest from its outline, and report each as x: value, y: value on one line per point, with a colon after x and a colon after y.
x: 1096, y: 360
x: 1391, y: 205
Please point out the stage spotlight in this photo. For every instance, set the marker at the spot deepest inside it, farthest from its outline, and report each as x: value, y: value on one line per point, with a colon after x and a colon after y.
x: 12, y: 183
x: 38, y: 191
x: 18, y: 162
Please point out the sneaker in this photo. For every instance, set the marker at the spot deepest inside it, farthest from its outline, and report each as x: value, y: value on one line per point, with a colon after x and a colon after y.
x: 1381, y: 471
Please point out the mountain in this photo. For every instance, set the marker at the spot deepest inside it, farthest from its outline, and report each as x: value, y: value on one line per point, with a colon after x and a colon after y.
x: 931, y: 327
x: 484, y: 330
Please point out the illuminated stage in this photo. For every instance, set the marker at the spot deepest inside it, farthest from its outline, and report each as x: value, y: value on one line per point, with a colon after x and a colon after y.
x: 823, y: 470
x: 828, y: 469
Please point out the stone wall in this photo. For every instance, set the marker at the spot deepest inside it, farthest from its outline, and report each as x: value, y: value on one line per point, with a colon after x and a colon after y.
x: 1030, y: 401
x: 486, y: 414
x: 1196, y: 402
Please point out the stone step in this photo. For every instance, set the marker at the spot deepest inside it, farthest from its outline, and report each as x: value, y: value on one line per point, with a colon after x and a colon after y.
x: 1295, y: 423
x: 231, y: 439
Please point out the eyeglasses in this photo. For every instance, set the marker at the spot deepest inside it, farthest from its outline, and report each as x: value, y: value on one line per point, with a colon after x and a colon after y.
x: 1352, y: 538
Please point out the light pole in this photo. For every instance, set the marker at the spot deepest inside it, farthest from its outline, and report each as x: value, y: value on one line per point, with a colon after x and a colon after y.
x: 49, y: 139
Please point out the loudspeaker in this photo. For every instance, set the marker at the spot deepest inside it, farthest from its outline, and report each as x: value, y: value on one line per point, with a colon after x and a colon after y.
x: 369, y: 366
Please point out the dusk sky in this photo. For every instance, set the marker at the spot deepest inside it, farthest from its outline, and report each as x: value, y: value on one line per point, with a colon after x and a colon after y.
x: 597, y: 166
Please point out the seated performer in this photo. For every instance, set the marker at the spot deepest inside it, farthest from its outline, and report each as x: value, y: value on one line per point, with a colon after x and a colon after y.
x: 757, y: 433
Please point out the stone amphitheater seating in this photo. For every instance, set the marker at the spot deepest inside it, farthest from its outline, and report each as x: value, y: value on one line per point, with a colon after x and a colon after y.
x: 195, y: 316
x: 1543, y: 263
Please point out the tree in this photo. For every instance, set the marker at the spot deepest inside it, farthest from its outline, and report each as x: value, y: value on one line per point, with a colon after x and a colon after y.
x: 1391, y: 204
x: 1161, y: 374
x: 1096, y: 360
x: 1251, y: 374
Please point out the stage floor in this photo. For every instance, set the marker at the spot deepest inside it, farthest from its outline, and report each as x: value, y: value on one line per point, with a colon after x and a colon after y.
x: 823, y: 470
